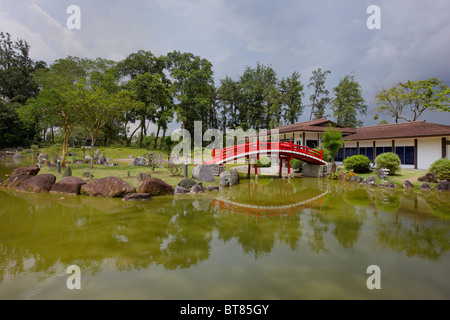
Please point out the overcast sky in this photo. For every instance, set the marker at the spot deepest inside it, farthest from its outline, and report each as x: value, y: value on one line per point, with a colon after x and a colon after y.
x: 290, y: 35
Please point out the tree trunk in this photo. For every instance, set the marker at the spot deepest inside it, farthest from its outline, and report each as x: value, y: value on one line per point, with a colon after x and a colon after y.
x: 333, y: 168
x: 156, y: 139
x: 162, y: 140
x: 53, y: 136
x: 92, y: 152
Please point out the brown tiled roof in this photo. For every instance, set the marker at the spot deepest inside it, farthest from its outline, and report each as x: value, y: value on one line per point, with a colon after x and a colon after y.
x: 317, y: 125
x: 400, y: 130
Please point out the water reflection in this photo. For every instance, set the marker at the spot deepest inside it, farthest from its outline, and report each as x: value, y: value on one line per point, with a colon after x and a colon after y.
x: 41, y: 231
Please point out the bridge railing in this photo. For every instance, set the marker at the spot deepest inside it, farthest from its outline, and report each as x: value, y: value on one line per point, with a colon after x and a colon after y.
x: 233, y: 152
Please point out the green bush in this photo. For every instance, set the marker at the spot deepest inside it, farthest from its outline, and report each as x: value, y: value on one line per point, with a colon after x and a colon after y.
x: 389, y: 161
x: 264, y: 162
x: 326, y: 154
x: 296, y: 165
x: 442, y: 169
x: 358, y: 163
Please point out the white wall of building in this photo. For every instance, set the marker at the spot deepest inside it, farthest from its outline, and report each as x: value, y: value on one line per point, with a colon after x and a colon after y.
x: 429, y: 150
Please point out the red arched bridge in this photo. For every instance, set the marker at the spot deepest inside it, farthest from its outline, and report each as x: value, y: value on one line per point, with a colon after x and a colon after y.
x: 285, y: 151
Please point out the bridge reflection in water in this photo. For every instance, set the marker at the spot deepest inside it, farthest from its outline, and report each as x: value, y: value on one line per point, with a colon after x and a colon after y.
x: 278, y: 199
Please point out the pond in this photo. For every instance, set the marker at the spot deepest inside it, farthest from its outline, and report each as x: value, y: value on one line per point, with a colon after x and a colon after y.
x: 275, y: 239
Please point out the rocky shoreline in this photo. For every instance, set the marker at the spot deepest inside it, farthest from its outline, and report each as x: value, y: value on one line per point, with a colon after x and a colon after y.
x: 27, y: 179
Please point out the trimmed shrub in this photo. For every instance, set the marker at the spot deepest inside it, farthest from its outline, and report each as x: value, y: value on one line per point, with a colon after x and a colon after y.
x: 442, y: 169
x: 296, y: 165
x: 358, y: 163
x: 388, y: 160
x: 264, y: 162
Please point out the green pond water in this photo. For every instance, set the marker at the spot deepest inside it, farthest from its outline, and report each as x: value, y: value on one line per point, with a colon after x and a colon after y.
x: 275, y: 239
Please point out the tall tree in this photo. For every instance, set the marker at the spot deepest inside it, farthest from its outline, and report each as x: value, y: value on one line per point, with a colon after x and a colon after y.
x: 229, y: 97
x: 192, y: 79
x: 409, y: 100
x: 17, y: 85
x: 257, y: 90
x: 348, y: 102
x: 319, y: 99
x: 292, y: 93
x: 55, y: 103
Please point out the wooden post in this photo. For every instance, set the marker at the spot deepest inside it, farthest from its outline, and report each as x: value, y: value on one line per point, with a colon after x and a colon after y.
x: 415, y: 153
x: 214, y: 152
x: 281, y: 167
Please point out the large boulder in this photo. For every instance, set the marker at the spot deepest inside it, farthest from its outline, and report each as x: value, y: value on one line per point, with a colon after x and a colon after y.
x: 428, y: 177
x: 42, y: 158
x: 29, y: 171
x: 197, y: 188
x: 225, y: 178
x: 156, y: 187
x: 140, y: 162
x: 67, y: 172
x: 234, y: 177
x: 443, y: 185
x: 203, y: 173
x: 102, y: 160
x: 408, y: 185
x: 15, y: 180
x: 68, y: 185
x: 425, y: 186
x: 180, y: 190
x: 39, y: 183
x: 108, y: 187
x: 186, y: 183
x: 212, y: 188
x: 137, y: 197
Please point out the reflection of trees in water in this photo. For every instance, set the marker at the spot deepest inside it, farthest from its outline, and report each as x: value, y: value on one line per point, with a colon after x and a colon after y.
x: 257, y: 236
x: 439, y: 203
x: 176, y: 232
x: 416, y: 239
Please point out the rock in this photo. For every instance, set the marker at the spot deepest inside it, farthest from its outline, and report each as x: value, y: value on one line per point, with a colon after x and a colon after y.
x: 203, y: 173
x: 18, y: 156
x: 197, y: 188
x: 137, y: 196
x: 15, y: 180
x: 39, y: 183
x: 102, y: 160
x: 408, y: 185
x: 156, y: 187
x: 224, y: 179
x: 87, y: 159
x: 234, y: 177
x: 29, y: 171
x: 342, y: 176
x: 425, y: 186
x: 42, y: 158
x: 108, y: 187
x: 212, y: 188
x: 370, y: 179
x: 443, y: 185
x: 140, y: 162
x: 87, y: 174
x: 68, y: 185
x: 355, y: 179
x: 428, y: 177
x: 180, y: 190
x: 67, y: 172
x: 130, y: 156
x: 142, y: 176
x: 186, y: 183
x: 390, y: 185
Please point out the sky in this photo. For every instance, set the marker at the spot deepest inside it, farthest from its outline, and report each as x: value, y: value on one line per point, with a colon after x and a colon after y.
x: 288, y: 35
